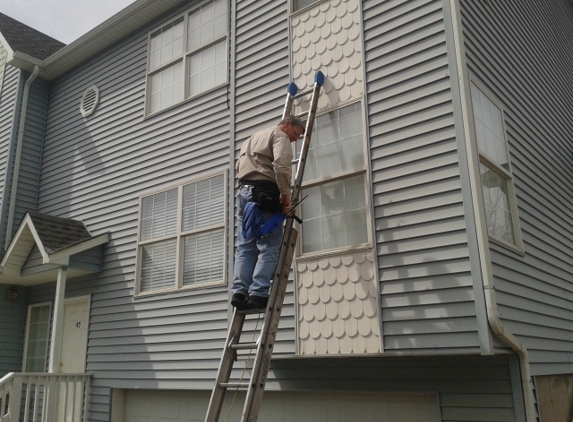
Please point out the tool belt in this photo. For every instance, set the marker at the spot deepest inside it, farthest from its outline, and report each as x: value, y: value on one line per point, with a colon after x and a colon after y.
x: 265, y: 193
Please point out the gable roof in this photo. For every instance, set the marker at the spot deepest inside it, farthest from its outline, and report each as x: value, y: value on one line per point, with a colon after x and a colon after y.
x: 21, y: 37
x: 56, y: 239
x: 57, y: 233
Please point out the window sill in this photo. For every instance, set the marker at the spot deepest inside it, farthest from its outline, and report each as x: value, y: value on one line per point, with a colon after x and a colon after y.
x: 508, y: 246
x: 147, y: 116
x: 366, y: 247
x: 177, y: 290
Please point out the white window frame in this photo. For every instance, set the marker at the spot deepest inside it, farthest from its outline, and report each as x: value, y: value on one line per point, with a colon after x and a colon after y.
x: 179, y: 236
x: 505, y: 173
x: 184, y: 58
x: 344, y: 174
x: 26, y: 343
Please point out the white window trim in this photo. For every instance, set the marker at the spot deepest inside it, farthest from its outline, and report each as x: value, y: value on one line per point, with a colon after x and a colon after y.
x: 27, y: 334
x: 185, y: 58
x: 507, y: 174
x: 367, y: 246
x: 180, y: 236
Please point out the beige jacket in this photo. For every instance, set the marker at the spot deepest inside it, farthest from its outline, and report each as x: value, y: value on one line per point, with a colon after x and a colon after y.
x: 267, y: 155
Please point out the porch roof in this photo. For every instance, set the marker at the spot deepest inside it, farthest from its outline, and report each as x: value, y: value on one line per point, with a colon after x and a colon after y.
x: 56, y: 239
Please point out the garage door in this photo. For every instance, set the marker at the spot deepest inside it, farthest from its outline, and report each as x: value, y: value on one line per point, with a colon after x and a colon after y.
x: 178, y: 406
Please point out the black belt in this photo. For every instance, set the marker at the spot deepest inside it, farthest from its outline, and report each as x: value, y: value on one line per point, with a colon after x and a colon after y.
x: 245, y: 182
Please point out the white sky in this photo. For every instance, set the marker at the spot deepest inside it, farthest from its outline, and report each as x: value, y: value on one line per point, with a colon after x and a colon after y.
x: 64, y: 20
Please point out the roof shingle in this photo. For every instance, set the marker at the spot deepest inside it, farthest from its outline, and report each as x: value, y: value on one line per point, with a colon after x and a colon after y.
x: 58, y: 233
x: 27, y: 40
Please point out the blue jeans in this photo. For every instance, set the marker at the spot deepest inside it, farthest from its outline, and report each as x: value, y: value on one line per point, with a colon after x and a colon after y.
x: 255, y: 259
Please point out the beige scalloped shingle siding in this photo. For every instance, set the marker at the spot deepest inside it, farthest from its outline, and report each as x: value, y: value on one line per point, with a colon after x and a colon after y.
x: 327, y: 38
x: 337, y: 307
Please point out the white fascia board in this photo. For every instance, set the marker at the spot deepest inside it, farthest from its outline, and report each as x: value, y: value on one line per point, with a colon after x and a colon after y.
x: 26, y: 224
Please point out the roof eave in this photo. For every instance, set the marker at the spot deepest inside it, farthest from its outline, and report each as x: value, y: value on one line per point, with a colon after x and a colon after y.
x: 25, y: 62
x: 130, y: 19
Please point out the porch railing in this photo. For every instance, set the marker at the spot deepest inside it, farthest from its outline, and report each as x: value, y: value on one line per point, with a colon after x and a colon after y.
x: 40, y: 397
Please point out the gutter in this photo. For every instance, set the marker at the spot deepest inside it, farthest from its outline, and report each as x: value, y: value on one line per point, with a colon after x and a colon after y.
x: 18, y: 158
x: 481, y: 232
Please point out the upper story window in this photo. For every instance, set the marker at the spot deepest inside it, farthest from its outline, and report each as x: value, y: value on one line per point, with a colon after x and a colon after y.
x: 299, y: 4
x: 188, y: 56
x: 182, y: 236
x: 496, y: 177
x: 335, y: 212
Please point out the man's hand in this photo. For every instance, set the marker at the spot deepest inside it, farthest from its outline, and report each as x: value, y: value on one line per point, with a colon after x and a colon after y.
x: 285, y: 202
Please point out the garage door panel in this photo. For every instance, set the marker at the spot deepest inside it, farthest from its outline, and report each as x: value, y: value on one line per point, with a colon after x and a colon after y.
x: 182, y: 406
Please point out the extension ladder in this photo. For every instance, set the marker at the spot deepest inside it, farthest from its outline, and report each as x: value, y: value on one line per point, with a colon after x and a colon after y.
x: 264, y: 345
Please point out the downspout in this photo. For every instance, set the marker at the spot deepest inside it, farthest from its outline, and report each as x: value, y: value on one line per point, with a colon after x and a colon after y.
x: 492, y: 313
x: 513, y: 342
x: 18, y: 158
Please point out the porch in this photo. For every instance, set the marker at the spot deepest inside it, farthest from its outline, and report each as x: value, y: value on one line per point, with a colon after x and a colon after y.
x: 42, y: 397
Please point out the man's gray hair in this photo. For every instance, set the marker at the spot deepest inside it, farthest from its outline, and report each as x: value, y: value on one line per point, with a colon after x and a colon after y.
x: 293, y: 120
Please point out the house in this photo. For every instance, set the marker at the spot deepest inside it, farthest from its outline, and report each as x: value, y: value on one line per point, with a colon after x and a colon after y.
x: 434, y: 274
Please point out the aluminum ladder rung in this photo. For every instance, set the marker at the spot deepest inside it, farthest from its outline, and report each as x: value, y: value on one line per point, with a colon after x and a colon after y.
x: 303, y: 93
x: 243, y: 346
x: 234, y: 385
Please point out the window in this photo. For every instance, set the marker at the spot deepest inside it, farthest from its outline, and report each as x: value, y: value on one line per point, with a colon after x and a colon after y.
x: 299, y: 4
x: 37, y: 336
x: 496, y: 178
x: 182, y: 236
x: 188, y: 56
x: 334, y: 213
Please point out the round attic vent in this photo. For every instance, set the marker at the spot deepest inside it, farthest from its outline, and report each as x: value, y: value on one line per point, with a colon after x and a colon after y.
x: 90, y: 100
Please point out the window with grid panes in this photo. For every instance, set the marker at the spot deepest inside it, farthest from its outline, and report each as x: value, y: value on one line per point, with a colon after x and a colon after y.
x: 188, y: 56
x: 334, y: 213
x: 37, y: 336
x: 495, y: 169
x: 182, y: 236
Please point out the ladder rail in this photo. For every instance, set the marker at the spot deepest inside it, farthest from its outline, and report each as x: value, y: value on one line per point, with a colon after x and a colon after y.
x: 225, y: 368
x: 318, y: 82
x: 270, y: 329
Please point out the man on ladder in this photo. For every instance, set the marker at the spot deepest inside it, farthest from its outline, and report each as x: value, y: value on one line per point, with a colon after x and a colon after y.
x: 257, y: 165
x: 264, y: 169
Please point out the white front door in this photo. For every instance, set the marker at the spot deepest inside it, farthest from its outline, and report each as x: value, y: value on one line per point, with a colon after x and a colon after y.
x: 75, y: 335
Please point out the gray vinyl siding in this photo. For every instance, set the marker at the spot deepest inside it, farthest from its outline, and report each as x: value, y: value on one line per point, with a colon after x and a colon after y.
x: 29, y: 173
x: 9, y: 117
x: 523, y: 53
x: 427, y: 295
x: 94, y: 170
x: 12, y: 316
